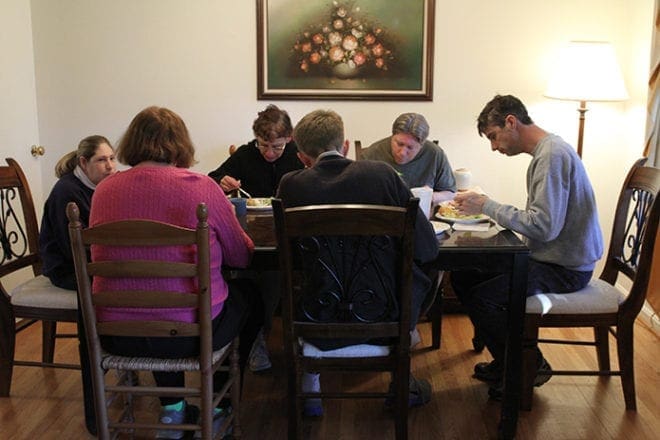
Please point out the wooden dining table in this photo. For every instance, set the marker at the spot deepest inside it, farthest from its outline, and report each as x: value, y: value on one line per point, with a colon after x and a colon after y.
x: 495, y: 250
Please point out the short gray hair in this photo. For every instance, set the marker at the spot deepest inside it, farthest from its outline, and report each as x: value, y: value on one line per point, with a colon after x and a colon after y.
x: 413, y: 124
x: 318, y: 132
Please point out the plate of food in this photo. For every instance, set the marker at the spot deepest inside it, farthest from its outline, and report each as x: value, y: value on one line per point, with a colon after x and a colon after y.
x: 440, y: 227
x: 447, y: 212
x: 259, y: 203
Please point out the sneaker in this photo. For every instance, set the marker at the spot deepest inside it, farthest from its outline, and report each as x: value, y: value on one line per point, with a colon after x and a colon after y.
x: 488, y: 372
x: 544, y: 373
x: 419, y: 393
x: 188, y: 414
x: 259, y: 360
x: 311, y: 382
x: 219, y: 417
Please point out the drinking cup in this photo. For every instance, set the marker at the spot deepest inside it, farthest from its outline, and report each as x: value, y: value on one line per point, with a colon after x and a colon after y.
x: 463, y: 178
x: 240, y: 205
x: 425, y: 195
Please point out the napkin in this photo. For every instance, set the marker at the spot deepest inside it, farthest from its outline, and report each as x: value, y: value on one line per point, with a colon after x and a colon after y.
x: 477, y: 227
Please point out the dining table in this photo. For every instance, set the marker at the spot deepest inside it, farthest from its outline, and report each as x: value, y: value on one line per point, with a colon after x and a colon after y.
x: 493, y: 250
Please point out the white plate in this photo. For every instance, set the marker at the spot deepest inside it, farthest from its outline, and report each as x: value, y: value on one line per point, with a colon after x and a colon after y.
x: 465, y: 220
x: 440, y: 227
x: 482, y: 218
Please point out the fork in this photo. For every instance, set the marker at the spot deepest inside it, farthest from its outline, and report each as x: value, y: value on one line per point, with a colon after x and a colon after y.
x: 241, y: 190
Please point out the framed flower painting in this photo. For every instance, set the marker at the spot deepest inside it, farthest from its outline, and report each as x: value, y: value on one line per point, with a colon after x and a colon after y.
x: 345, y: 49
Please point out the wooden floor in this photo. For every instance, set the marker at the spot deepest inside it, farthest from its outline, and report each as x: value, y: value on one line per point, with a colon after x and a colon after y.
x: 47, y: 404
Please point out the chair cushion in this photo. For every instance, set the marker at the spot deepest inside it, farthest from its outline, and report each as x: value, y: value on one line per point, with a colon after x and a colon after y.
x: 597, y: 297
x: 112, y: 361
x: 351, y: 351
x: 40, y: 292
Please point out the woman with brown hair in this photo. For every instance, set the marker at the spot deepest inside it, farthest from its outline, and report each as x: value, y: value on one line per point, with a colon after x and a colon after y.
x: 159, y: 186
x: 79, y: 172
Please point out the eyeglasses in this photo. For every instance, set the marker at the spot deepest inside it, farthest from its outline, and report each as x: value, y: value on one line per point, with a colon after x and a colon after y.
x: 277, y: 148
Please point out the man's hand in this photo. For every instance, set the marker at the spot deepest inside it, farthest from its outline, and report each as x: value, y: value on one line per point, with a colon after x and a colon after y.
x: 470, y: 202
x: 228, y: 184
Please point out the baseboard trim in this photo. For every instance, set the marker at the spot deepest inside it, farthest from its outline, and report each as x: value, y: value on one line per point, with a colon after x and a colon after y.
x: 650, y: 318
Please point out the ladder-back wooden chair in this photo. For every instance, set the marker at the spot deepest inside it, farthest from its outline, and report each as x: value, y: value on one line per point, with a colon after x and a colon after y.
x: 331, y: 280
x: 143, y: 233
x: 602, y: 305
x: 32, y: 301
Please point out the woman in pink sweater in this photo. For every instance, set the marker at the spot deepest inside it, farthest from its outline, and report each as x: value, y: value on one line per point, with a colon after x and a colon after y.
x: 159, y: 186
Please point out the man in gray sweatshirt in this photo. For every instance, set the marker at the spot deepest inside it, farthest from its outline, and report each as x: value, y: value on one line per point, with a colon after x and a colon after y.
x: 559, y: 225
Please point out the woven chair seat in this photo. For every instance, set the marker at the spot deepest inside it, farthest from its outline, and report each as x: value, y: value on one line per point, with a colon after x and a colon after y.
x: 112, y: 361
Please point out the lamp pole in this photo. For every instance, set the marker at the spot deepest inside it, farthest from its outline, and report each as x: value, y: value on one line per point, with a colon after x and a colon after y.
x: 582, y: 110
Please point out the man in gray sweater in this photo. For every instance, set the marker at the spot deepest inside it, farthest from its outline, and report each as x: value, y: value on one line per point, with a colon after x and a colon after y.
x: 559, y: 225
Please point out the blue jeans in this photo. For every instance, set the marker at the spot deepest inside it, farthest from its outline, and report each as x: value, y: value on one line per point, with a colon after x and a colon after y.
x: 486, y: 297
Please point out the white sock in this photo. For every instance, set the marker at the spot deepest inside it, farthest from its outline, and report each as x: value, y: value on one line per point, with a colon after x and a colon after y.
x: 311, y: 383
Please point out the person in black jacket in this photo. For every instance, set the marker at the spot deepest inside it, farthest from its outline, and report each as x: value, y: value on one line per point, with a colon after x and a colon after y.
x: 331, y: 178
x: 79, y: 172
x: 258, y: 166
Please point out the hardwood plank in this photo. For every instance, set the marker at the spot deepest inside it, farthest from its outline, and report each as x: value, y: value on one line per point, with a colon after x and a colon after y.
x: 47, y: 403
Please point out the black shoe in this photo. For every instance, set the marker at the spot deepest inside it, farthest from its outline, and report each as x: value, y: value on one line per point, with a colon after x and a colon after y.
x: 488, y: 372
x: 543, y: 374
x: 496, y: 391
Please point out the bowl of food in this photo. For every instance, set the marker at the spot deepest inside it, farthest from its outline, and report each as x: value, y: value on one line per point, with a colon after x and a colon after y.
x: 259, y: 203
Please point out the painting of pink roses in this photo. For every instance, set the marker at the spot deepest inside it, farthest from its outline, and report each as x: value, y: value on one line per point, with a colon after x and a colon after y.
x: 345, y: 49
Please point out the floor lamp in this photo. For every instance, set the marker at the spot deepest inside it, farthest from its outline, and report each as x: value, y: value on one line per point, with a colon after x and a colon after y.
x: 586, y: 71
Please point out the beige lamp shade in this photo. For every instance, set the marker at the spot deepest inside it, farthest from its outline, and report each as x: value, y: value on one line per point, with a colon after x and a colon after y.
x: 587, y: 71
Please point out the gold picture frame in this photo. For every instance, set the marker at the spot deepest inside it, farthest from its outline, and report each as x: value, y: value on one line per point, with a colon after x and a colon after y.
x: 345, y: 49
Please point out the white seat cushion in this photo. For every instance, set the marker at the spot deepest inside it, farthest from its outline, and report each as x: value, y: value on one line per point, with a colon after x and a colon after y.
x: 597, y: 297
x: 352, y: 351
x: 40, y: 292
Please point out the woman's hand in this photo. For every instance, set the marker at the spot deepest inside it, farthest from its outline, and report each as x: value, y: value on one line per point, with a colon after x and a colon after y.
x: 228, y: 184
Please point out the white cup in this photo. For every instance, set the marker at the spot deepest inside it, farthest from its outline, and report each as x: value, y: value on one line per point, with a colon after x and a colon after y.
x: 463, y: 178
x: 424, y: 194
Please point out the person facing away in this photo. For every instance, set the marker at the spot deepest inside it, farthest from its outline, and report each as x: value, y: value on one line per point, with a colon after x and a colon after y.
x: 258, y: 166
x: 559, y: 224
x: 331, y: 178
x: 78, y: 174
x: 160, y: 187
x: 418, y: 161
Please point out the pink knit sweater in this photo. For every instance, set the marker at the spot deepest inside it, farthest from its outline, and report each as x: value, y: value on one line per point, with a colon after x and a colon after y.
x: 171, y: 195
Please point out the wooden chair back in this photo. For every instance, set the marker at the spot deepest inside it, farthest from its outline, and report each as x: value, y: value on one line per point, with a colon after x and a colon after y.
x: 122, y: 236
x: 20, y: 231
x: 634, y: 233
x: 33, y: 300
x: 358, y: 150
x: 338, y: 243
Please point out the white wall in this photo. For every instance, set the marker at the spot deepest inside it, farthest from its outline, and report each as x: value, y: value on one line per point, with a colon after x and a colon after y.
x: 98, y: 63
